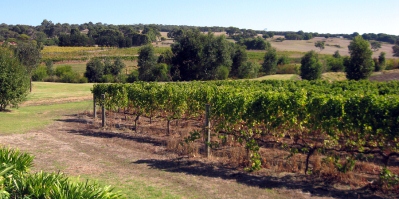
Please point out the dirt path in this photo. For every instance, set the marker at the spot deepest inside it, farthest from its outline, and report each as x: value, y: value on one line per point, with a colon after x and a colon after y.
x: 77, y: 146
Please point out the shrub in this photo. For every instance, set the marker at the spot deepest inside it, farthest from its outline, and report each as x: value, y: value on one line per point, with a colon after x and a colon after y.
x: 269, y: 65
x: 311, y: 66
x: 61, y: 70
x: 40, y: 73
x: 248, y: 70
x: 288, y: 69
x: 391, y: 64
x: 222, y: 72
x: 335, y: 64
x: 133, y: 76
x: 283, y: 60
x: 14, y: 80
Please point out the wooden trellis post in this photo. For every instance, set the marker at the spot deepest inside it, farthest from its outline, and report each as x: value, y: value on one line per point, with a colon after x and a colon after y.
x: 207, y: 130
x: 103, y: 110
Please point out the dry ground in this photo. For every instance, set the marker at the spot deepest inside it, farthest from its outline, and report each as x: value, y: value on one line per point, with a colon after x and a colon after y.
x: 77, y: 145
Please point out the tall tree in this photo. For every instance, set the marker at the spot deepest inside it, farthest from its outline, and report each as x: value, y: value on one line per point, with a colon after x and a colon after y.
x: 29, y: 55
x: 94, y: 70
x: 310, y: 66
x: 380, y: 62
x: 198, y: 56
x: 269, y: 65
x: 361, y: 63
x: 14, y: 83
x: 146, y: 63
x: 239, y: 57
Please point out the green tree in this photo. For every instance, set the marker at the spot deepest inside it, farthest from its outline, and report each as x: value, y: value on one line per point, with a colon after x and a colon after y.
x: 335, y: 64
x: 50, y: 67
x: 269, y: 65
x: 310, y: 66
x: 239, y: 57
x: 198, y: 56
x: 29, y: 55
x: 380, y: 62
x: 146, y: 63
x: 395, y: 49
x: 375, y: 45
x: 248, y: 70
x: 320, y: 45
x: 14, y: 81
x: 361, y: 64
x: 94, y: 70
x: 166, y: 57
x: 117, y: 67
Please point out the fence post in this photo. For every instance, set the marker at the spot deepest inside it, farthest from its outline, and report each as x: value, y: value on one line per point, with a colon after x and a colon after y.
x: 94, y: 106
x: 103, y: 110
x: 207, y: 130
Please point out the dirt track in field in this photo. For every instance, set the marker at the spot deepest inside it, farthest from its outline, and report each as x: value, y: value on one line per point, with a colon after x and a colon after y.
x: 77, y: 145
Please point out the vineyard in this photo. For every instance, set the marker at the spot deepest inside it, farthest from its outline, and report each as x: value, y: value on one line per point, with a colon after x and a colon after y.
x: 342, y: 122
x: 58, y: 54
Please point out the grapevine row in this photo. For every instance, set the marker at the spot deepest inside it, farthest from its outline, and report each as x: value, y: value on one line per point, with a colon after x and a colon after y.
x: 340, y: 117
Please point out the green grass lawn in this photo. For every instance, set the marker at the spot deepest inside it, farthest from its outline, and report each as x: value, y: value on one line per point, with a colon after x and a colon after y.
x: 50, y: 90
x: 30, y: 118
x: 27, y: 118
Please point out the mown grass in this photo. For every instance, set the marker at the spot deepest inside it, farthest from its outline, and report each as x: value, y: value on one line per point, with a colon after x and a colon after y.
x: 30, y: 118
x: 51, y: 91
x: 130, y: 188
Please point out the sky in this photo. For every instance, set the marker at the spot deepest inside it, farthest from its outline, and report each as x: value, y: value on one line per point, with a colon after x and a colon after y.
x: 322, y: 16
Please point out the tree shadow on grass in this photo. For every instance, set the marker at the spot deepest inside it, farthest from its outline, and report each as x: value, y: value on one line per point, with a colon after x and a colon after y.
x: 319, y: 188
x: 107, y: 134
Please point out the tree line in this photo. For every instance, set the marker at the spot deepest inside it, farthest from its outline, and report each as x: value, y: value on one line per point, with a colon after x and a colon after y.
x: 89, y: 34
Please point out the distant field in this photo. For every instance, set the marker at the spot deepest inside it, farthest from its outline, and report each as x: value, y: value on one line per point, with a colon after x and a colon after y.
x: 80, y: 66
x: 331, y: 45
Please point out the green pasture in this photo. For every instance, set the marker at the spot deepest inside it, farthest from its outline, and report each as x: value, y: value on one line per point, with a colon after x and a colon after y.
x: 31, y: 118
x: 52, y: 91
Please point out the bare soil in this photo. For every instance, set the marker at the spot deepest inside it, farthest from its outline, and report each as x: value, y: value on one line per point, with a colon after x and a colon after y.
x: 77, y: 145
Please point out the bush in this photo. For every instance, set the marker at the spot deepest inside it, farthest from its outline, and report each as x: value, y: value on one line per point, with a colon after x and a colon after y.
x: 248, y: 70
x: 67, y: 75
x: 288, y: 69
x: 107, y: 78
x: 61, y: 70
x: 133, y: 76
x: 269, y: 65
x: 335, y: 64
x: 311, y: 66
x: 39, y: 74
x: 14, y: 80
x: 283, y: 60
x: 222, y: 72
x: 392, y: 64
